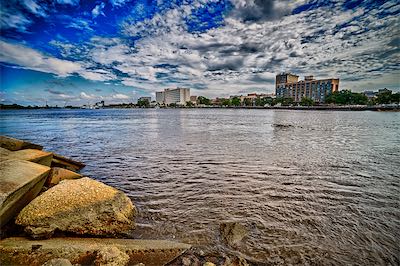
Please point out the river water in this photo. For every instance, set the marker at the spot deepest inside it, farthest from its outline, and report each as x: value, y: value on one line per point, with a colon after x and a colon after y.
x: 316, y: 187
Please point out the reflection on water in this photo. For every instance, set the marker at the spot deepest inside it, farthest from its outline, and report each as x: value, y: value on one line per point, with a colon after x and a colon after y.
x: 311, y: 187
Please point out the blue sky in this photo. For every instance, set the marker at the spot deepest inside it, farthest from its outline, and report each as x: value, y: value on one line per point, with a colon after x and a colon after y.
x: 77, y: 52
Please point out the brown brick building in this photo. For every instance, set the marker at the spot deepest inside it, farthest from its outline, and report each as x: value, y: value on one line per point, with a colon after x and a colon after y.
x: 288, y: 86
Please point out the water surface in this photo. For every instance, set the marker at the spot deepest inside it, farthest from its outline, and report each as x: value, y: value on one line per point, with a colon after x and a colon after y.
x: 318, y: 187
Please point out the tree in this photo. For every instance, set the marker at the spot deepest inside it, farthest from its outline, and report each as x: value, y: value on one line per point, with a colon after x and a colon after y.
x: 203, y: 100
x: 143, y: 103
x: 345, y: 97
x: 235, y: 101
x: 225, y: 102
x: 307, y: 101
x: 189, y: 104
x: 248, y: 102
x: 384, y: 97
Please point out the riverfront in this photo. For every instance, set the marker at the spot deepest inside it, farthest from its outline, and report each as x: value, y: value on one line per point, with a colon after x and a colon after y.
x: 317, y: 187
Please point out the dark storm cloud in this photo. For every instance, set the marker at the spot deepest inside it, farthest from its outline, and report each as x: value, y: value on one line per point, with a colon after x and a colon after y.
x: 255, y: 10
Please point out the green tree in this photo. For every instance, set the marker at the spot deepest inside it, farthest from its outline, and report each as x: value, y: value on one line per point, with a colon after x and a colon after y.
x: 189, y: 104
x: 235, y: 101
x: 307, y: 101
x: 225, y: 102
x: 248, y: 102
x: 143, y: 103
x: 345, y: 97
x: 384, y: 97
x: 203, y: 100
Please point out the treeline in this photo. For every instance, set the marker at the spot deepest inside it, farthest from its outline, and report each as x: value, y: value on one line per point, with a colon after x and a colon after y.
x: 344, y: 97
x: 347, y: 97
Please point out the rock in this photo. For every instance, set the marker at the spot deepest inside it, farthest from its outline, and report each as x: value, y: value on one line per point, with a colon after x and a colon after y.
x: 232, y: 232
x: 36, y: 156
x: 16, y: 144
x: 58, y: 174
x: 208, y: 264
x: 67, y: 163
x: 111, y: 256
x: 236, y: 261
x: 80, y: 206
x: 88, y: 251
x: 20, y: 183
x: 58, y: 262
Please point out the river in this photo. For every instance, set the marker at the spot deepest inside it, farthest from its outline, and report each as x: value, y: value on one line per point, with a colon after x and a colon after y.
x: 316, y: 187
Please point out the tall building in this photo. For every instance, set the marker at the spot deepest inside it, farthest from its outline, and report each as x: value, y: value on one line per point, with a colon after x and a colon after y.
x: 288, y: 86
x: 160, y: 97
x: 177, y: 96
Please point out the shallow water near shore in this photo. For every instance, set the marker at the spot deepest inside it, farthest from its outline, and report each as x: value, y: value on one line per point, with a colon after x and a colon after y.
x: 319, y: 187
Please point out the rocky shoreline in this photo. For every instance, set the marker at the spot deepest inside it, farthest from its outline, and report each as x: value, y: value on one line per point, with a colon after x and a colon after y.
x: 52, y: 215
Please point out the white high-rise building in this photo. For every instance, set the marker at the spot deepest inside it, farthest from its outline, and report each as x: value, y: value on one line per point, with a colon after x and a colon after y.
x: 160, y: 97
x: 177, y: 96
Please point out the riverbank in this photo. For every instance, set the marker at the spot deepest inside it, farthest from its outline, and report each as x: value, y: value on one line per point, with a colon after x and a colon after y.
x: 51, y: 214
x: 379, y: 108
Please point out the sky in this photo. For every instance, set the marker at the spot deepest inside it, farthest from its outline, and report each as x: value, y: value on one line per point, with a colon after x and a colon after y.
x: 73, y: 52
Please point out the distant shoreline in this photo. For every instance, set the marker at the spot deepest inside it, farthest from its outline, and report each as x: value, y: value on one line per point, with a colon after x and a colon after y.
x: 378, y: 108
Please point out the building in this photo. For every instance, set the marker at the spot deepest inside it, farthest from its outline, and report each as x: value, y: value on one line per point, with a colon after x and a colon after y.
x: 288, y: 86
x: 173, y: 96
x: 142, y: 99
x: 160, y: 97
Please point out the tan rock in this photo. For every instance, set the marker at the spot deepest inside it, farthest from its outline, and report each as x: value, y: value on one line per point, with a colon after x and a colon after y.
x: 58, y: 174
x: 208, y: 264
x: 85, y: 251
x: 67, y: 163
x: 20, y: 182
x: 233, y: 232
x: 111, y: 256
x: 16, y: 144
x: 57, y: 262
x: 36, y: 156
x: 80, y: 206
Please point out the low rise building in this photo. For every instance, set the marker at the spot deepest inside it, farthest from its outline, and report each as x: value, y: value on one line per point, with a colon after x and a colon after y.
x: 288, y: 86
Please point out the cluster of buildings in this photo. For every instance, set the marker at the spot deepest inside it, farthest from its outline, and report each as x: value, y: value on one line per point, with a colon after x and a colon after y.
x: 288, y: 85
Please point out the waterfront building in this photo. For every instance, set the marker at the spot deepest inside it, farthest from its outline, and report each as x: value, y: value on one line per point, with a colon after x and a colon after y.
x: 288, y: 86
x: 144, y: 99
x: 160, y: 97
x: 173, y: 96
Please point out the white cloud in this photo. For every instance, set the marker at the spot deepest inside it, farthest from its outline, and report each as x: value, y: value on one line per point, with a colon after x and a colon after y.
x: 31, y: 59
x: 68, y: 2
x: 86, y: 96
x: 98, y: 10
x: 14, y: 20
x: 35, y: 8
x: 120, y: 96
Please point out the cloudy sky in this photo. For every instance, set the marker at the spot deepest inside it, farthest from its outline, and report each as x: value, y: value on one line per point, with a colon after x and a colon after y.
x: 75, y: 51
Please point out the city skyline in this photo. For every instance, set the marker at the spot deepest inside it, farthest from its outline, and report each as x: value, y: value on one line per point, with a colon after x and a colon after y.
x: 72, y: 51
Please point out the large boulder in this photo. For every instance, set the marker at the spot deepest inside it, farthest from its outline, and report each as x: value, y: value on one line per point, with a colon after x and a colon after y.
x: 32, y: 155
x: 81, y: 206
x: 20, y: 182
x: 16, y: 144
x: 89, y: 251
x: 58, y: 174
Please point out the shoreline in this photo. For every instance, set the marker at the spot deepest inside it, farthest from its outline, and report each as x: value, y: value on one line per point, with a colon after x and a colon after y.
x: 375, y: 108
